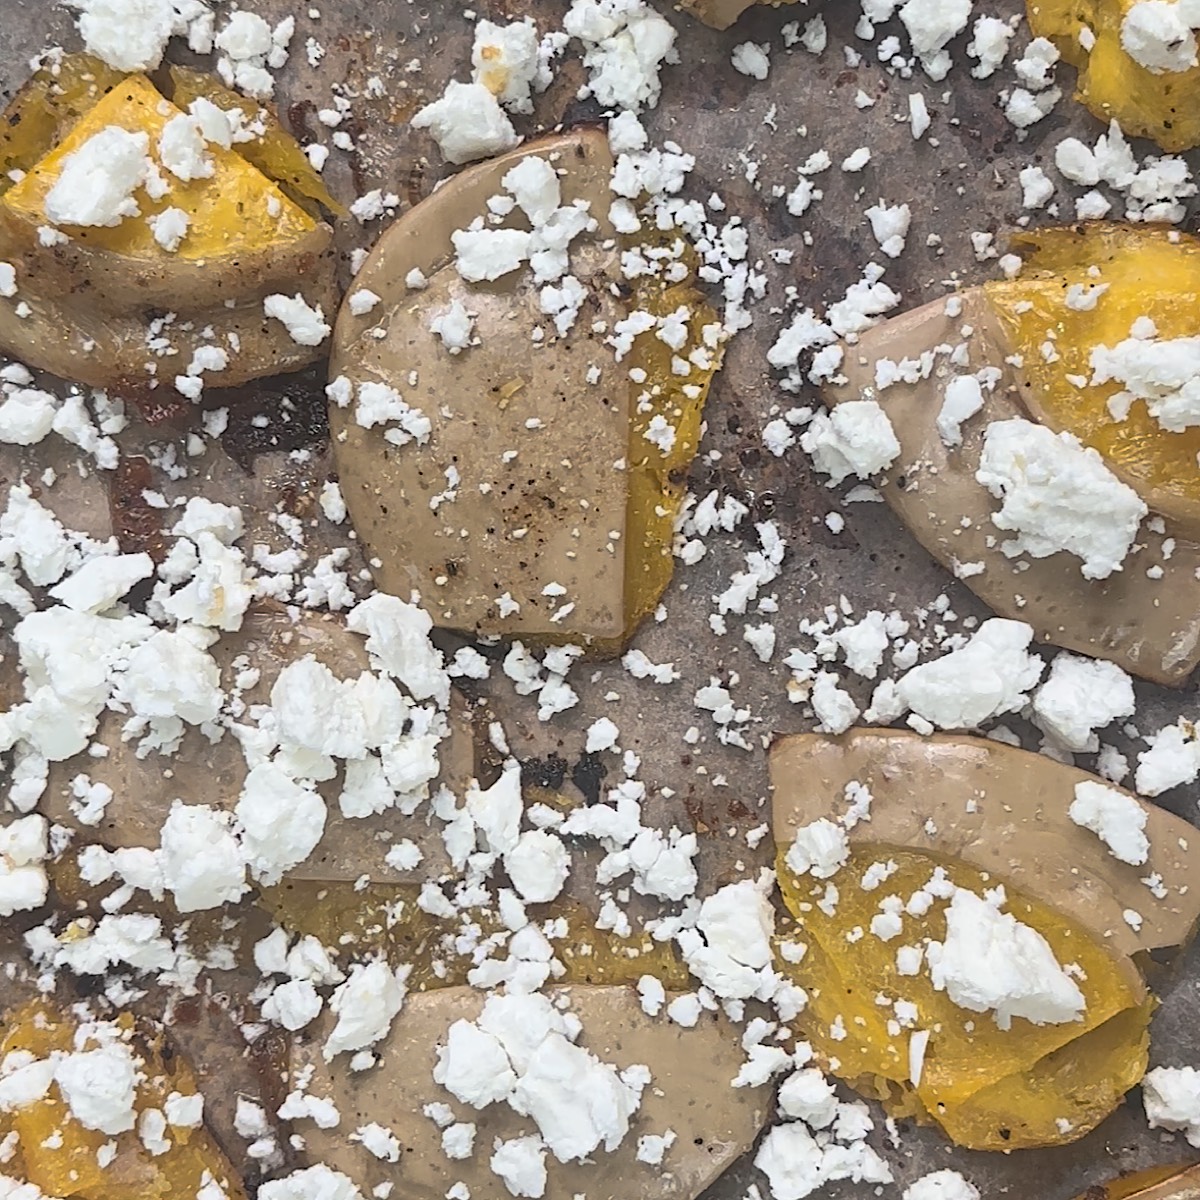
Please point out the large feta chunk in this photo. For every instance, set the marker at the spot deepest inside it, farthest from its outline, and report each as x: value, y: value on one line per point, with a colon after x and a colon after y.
x: 1058, y: 495
x: 467, y: 122
x: 991, y: 962
x: 855, y: 439
x: 991, y: 675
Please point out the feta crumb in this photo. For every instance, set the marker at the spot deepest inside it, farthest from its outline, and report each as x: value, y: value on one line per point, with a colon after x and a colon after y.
x: 365, y: 1006
x: 1118, y: 820
x: 988, y: 677
x: 454, y: 325
x: 95, y: 184
x: 961, y: 400
x: 990, y: 961
x: 1058, y: 495
x: 751, y: 58
x: 99, y: 1087
x: 1171, y: 1096
x: 1172, y: 759
x: 941, y: 1185
x: 1161, y: 36
x: 467, y: 122
x: 1081, y: 695
x: 305, y: 325
x: 855, y: 438
x: 129, y: 35
x: 820, y: 849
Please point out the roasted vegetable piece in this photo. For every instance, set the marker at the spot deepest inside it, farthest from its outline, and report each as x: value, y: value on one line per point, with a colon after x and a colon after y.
x: 1138, y: 271
x: 387, y: 918
x: 63, y: 1157
x: 720, y: 14
x: 214, y: 772
x: 982, y: 814
x: 537, y: 507
x: 1146, y: 622
x: 690, y: 1094
x: 989, y: 1089
x: 110, y: 305
x: 1159, y: 1183
x: 1162, y: 104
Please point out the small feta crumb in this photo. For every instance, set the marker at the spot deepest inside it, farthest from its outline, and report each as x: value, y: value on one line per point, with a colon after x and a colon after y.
x: 855, y: 438
x: 305, y: 325
x: 454, y: 325
x: 1171, y: 1096
x: 751, y: 58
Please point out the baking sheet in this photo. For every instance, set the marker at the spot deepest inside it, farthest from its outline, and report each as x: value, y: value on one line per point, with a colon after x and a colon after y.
x: 748, y: 137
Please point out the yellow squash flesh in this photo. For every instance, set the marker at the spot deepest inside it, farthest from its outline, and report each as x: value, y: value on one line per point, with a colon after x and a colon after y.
x: 988, y: 1088
x: 58, y: 1154
x: 656, y: 481
x: 1165, y: 107
x: 236, y: 210
x: 1150, y: 273
x: 386, y: 918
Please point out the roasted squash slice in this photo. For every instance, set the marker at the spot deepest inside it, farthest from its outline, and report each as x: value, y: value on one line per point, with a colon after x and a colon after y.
x: 1163, y: 105
x: 976, y: 815
x: 65, y: 1158
x: 110, y: 304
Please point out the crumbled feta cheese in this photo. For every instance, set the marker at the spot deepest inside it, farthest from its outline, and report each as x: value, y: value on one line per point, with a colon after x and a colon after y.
x: 181, y: 149
x: 310, y: 1183
x: 931, y: 24
x: 505, y: 60
x: 1036, y: 187
x: 521, y: 1164
x: 1058, y: 495
x: 23, y: 850
x: 819, y: 849
x: 305, y: 325
x: 1081, y: 695
x: 365, y: 1006
x: 363, y: 301
x: 202, y: 864
x: 1172, y: 759
x: 990, y: 961
x: 752, y: 58
x: 129, y: 35
x: 96, y: 183
x: 99, y: 1087
x: 855, y: 438
x: 1118, y: 820
x: 989, y: 44
x: 454, y: 325
x: 538, y: 866
x: 941, y: 1185
x: 625, y: 44
x: 890, y: 224
x: 467, y: 122
x: 1163, y: 372
x: 280, y: 822
x: 1171, y: 1096
x: 961, y: 400
x: 170, y: 228
x: 1161, y: 36
x: 988, y: 677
